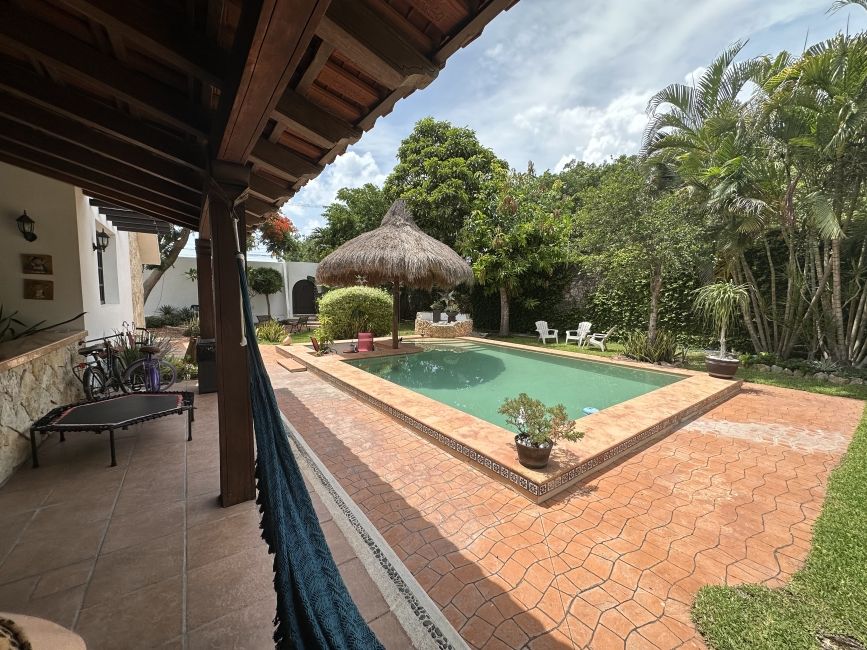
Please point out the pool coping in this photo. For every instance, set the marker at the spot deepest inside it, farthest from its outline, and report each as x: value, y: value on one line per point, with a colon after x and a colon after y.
x: 609, y: 434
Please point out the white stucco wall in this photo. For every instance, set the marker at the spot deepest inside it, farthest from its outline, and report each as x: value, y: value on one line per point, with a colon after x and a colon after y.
x: 52, y: 206
x: 296, y: 271
x: 65, y: 226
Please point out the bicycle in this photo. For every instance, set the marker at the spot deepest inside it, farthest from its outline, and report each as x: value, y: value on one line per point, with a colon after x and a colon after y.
x: 151, y: 373
x: 102, y: 374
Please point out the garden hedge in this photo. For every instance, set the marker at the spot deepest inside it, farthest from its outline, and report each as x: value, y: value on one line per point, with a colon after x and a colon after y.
x: 341, y: 309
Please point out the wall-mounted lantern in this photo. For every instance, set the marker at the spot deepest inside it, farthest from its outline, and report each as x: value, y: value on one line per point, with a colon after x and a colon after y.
x: 101, y: 241
x: 26, y: 227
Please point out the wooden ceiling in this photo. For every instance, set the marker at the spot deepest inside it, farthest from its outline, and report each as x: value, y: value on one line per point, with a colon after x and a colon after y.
x: 131, y: 100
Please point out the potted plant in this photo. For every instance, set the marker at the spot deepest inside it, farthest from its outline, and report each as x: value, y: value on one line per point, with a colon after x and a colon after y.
x: 539, y: 428
x: 719, y: 303
x: 452, y: 309
x: 437, y: 307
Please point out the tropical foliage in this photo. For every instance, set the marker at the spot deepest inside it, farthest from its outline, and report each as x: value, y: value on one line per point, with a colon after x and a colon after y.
x: 538, y: 424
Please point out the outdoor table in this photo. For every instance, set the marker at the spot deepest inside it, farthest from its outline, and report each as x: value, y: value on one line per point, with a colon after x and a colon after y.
x: 111, y: 413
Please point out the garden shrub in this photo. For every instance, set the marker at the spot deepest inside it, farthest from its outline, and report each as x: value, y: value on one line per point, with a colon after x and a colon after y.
x: 636, y: 345
x: 185, y: 315
x: 270, y: 332
x: 154, y: 322
x: 344, y: 312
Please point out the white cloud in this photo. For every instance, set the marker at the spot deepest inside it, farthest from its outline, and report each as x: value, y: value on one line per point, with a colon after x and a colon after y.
x: 349, y: 170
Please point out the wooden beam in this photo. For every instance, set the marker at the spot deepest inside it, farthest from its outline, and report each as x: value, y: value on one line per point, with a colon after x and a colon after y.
x: 267, y: 189
x: 118, y: 200
x: 374, y: 46
x: 260, y: 207
x: 269, y: 54
x: 89, y: 181
x: 282, y: 162
x: 305, y: 119
x: 472, y: 29
x: 95, y: 115
x: 79, y: 61
x: 86, y: 159
x: 165, y: 37
x: 323, y: 53
x: 234, y: 413
x: 123, y: 153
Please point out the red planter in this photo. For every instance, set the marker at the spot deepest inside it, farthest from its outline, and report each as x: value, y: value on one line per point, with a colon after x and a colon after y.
x: 365, y: 342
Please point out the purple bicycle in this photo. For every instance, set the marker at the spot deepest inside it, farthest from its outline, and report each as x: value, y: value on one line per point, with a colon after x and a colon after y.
x: 149, y: 374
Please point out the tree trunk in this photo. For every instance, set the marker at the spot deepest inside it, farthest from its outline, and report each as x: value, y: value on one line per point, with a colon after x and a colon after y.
x: 504, y: 312
x: 837, y: 303
x: 395, y: 317
x: 167, y: 262
x: 655, y: 289
x: 268, y: 305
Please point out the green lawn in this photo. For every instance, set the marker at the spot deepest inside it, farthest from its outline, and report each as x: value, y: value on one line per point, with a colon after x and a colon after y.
x: 695, y: 361
x: 827, y: 596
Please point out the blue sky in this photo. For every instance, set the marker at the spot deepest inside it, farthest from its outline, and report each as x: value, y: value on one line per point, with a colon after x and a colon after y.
x: 552, y: 80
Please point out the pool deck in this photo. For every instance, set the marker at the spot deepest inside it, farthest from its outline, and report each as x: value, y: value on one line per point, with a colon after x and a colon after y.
x: 609, y: 434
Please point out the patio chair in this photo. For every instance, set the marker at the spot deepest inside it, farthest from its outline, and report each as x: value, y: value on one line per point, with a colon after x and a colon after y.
x: 598, y: 339
x: 546, y: 332
x: 297, y: 325
x: 578, y: 335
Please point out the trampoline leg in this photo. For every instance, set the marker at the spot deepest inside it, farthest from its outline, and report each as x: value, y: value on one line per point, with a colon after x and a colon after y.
x: 62, y: 437
x: 190, y: 424
x: 33, y: 435
x: 111, y: 442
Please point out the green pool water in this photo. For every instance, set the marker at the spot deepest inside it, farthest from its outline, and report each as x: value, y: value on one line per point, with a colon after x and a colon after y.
x: 476, y: 378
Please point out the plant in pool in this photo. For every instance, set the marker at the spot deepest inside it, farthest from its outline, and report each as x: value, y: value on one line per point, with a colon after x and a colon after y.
x: 720, y: 303
x: 539, y: 428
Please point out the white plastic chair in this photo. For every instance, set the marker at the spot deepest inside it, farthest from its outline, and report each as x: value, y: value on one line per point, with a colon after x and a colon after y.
x: 578, y: 334
x: 598, y: 340
x: 546, y: 332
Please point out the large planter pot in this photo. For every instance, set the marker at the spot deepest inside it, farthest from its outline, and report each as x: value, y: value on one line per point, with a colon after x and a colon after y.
x: 436, y: 316
x: 365, y: 342
x: 452, y: 315
x: 532, y: 457
x: 721, y: 368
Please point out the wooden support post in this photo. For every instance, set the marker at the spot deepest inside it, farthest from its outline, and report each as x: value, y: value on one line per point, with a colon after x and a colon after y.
x: 205, y: 284
x: 225, y: 197
x: 395, y: 313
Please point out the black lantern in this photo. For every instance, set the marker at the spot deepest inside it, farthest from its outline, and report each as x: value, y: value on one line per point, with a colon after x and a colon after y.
x: 101, y: 241
x: 25, y: 227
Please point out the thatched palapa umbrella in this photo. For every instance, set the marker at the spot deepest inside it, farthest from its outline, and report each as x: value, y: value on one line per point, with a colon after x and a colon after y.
x: 397, y: 252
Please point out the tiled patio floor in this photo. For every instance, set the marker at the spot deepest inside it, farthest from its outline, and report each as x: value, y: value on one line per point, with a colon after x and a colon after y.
x: 731, y: 497
x: 140, y: 555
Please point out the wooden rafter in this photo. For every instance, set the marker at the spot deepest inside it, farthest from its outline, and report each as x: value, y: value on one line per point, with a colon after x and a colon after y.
x: 166, y: 37
x: 282, y: 162
x: 96, y: 115
x: 374, y: 46
x: 271, y: 53
x: 75, y: 59
x: 302, y: 117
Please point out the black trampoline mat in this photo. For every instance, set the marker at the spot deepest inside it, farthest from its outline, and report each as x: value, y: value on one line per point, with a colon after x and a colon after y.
x: 117, y: 410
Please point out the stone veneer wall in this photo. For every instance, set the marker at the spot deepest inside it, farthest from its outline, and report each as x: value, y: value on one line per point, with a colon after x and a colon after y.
x: 443, y: 330
x: 135, y: 272
x: 27, y: 392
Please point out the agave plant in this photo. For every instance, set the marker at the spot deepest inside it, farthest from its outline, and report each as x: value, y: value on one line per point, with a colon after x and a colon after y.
x: 719, y: 304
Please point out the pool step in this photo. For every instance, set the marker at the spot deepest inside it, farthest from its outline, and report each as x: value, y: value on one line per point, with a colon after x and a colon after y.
x: 288, y: 362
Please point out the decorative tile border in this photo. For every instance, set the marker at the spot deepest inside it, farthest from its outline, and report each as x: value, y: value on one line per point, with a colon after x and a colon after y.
x: 409, y: 595
x: 535, y: 490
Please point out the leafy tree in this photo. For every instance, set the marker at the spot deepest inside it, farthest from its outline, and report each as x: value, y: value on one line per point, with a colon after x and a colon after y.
x: 171, y: 244
x: 443, y: 172
x: 521, y: 230
x: 628, y: 219
x: 355, y: 210
x: 278, y: 235
x: 264, y: 280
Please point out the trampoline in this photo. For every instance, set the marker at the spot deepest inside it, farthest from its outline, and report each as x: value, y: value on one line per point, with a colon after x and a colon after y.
x: 111, y: 413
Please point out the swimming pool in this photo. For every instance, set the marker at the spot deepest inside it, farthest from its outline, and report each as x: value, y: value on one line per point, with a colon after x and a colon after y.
x: 476, y: 378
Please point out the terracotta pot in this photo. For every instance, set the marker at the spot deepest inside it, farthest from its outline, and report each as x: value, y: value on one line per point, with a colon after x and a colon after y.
x: 532, y: 457
x: 721, y: 368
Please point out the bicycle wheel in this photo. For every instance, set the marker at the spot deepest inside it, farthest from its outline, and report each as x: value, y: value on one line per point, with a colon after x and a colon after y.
x: 117, y: 375
x: 94, y: 382
x: 139, y: 375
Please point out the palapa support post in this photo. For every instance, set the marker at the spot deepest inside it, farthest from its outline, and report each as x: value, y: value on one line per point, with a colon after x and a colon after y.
x: 226, y: 194
x: 395, y: 318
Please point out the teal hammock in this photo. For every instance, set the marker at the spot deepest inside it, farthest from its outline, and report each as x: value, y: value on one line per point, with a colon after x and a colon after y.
x: 314, y: 609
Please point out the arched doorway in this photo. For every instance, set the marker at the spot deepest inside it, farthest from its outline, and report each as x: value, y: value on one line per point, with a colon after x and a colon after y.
x: 304, y: 297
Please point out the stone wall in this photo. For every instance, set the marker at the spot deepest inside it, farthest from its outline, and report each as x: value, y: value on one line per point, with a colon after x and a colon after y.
x: 443, y: 330
x: 27, y: 392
